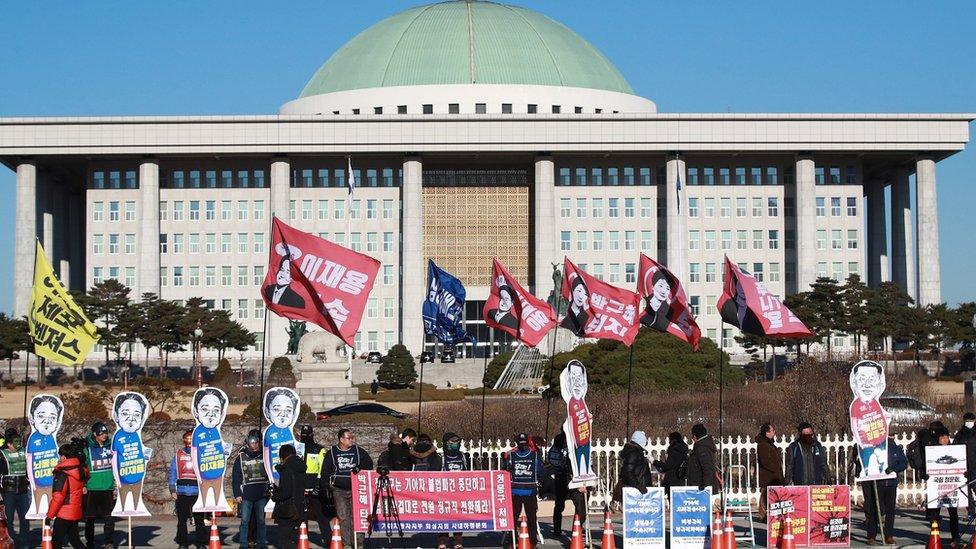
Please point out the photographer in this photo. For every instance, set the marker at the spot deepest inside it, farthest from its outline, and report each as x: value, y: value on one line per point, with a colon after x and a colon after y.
x: 288, y: 497
x: 70, y: 475
x: 249, y: 481
x: 345, y: 459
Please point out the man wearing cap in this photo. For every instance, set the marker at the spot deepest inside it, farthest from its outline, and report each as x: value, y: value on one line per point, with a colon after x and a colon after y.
x: 100, y: 488
x: 319, y: 507
x: 345, y: 459
x: 249, y: 481
x: 184, y: 487
x: 13, y: 482
x: 525, y: 466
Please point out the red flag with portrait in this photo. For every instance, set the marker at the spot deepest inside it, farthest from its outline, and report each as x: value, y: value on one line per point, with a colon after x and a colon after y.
x: 665, y: 303
x: 597, y: 309
x: 513, y: 310
x: 312, y: 279
x: 748, y: 305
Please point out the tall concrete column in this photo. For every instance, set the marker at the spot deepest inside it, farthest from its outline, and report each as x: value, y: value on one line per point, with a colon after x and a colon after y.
x: 148, y: 268
x: 877, y: 239
x: 545, y: 226
x: 677, y: 218
x: 412, y: 280
x: 902, y: 251
x: 45, y: 205
x: 280, y: 188
x: 929, y: 272
x: 25, y: 232
x: 806, y: 219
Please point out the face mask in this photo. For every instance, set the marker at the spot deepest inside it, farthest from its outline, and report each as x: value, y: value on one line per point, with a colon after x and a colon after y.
x: 970, y: 424
x: 806, y: 438
x: 523, y: 445
x: 453, y: 446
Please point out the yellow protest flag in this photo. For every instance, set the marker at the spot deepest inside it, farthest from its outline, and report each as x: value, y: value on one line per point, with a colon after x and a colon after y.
x: 59, y: 328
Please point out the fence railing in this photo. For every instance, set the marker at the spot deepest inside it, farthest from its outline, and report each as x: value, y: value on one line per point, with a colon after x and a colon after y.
x: 735, y: 451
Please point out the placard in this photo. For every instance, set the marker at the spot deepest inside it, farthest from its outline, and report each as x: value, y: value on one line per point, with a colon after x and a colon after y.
x: 869, y: 422
x: 830, y: 516
x: 45, y: 415
x: 209, y: 450
x: 946, y: 467
x: 643, y: 518
x: 792, y: 501
x: 130, y: 411
x: 579, y: 423
x: 691, y: 516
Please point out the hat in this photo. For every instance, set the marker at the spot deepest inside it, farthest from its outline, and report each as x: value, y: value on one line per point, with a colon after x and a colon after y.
x: 11, y: 434
x: 253, y: 437
x: 305, y: 430
x: 639, y: 438
x: 522, y: 438
x: 99, y: 428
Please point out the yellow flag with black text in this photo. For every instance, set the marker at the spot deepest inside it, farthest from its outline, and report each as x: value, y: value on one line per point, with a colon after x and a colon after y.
x: 59, y: 328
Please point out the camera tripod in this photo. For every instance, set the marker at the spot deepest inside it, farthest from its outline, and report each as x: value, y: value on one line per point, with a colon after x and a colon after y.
x: 385, y: 502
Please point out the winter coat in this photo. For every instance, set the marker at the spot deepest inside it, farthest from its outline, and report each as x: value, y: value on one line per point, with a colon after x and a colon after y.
x: 701, y: 465
x: 897, y: 462
x: 396, y: 457
x: 635, y: 471
x: 770, y: 461
x: 675, y: 465
x: 69, y: 490
x: 289, y: 497
x: 423, y: 457
x: 796, y: 471
x: 254, y: 490
x: 967, y: 436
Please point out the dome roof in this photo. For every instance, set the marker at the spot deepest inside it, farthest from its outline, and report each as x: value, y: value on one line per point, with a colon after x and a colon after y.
x: 466, y: 42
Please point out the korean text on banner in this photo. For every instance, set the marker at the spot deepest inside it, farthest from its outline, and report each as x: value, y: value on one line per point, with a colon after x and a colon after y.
x: 643, y: 518
x: 59, y: 328
x: 691, y: 515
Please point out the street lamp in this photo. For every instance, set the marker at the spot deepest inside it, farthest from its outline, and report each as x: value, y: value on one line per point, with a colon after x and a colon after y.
x: 198, y: 362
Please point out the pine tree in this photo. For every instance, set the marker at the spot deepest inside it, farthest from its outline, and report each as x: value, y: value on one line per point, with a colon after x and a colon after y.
x: 398, y: 368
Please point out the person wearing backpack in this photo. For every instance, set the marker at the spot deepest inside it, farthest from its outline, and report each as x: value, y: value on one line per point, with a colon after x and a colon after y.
x: 557, y: 463
x: 70, y: 475
x: 675, y: 464
x: 769, y: 459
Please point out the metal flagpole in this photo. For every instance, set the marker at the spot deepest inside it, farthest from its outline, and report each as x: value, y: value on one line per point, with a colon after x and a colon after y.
x: 721, y: 409
x: 557, y: 295
x: 483, y: 390
x: 26, y: 374
x: 264, y: 344
x: 420, y: 393
x: 352, y: 185
x: 630, y: 377
x: 30, y: 337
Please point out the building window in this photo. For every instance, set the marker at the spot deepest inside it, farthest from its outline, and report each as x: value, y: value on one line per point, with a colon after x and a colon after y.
x: 709, y: 207
x: 130, y: 183
x: 851, y: 239
x: 628, y: 207
x: 755, y: 176
x: 726, y: 240
x: 709, y: 272
x: 851, y: 173
x: 692, y: 176
x: 835, y: 239
x: 740, y: 176
x: 225, y: 244
x: 834, y: 175
x: 819, y: 178
x: 98, y: 211
x: 630, y: 273
x: 564, y: 241
x: 506, y: 108
x: 692, y: 207
x: 771, y: 177
x: 258, y: 243
x: 757, y: 207
x: 163, y: 245
x: 480, y: 108
x: 596, y: 177
x: 614, y: 208
x: 645, y: 208
x: 227, y: 210
x: 757, y: 271
x: 773, y: 239
x: 772, y: 206
x: 597, y: 241
x: 177, y: 275
x: 401, y: 109
x: 98, y: 243
x: 580, y: 207
x: 389, y: 309
x: 614, y: 274
x: 821, y: 239
x: 693, y: 274
x: 564, y: 177
x: 113, y: 211
x: 226, y: 275
x: 851, y: 206
x: 130, y: 210
x: 853, y: 269
x: 821, y: 208
x: 428, y: 109
x: 532, y: 108
x: 629, y: 240
x: 564, y: 208
x: 709, y: 240
x: 757, y: 240
x: 741, y: 240
x: 708, y: 176
x: 835, y: 206
x: 614, y: 241
x: 773, y: 272
x: 211, y: 243
x: 597, y: 207
x: 740, y: 207
x: 556, y: 109
x: 694, y: 238
x: 453, y: 108
x: 377, y: 110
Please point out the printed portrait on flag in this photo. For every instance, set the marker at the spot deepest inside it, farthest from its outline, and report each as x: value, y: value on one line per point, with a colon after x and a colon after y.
x: 312, y: 279
x: 513, y: 310
x: 748, y: 305
x: 208, y: 450
x: 578, y: 312
x: 579, y: 423
x: 869, y: 422
x: 665, y: 304
x: 129, y: 457
x: 45, y: 415
x: 597, y: 309
x: 281, y: 408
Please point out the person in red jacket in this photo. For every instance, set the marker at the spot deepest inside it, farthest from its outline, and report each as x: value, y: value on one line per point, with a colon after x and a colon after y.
x: 70, y: 475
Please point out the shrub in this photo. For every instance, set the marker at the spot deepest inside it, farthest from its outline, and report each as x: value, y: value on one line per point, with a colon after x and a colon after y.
x: 160, y: 416
x: 398, y: 367
x: 223, y: 375
x: 496, y: 367
x: 90, y: 404
x: 281, y: 374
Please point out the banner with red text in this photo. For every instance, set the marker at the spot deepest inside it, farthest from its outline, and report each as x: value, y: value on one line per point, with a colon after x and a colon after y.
x: 438, y: 501
x: 597, y: 309
x: 312, y: 279
x: 749, y: 306
x: 665, y: 303
x: 821, y: 515
x: 511, y: 309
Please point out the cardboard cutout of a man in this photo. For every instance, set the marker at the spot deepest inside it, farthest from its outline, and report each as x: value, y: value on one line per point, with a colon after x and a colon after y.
x: 579, y: 423
x: 208, y: 449
x: 869, y: 423
x: 45, y: 415
x: 281, y: 409
x: 129, y: 456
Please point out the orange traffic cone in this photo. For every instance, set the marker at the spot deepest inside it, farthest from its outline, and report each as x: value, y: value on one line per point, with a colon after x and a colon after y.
x: 718, y: 536
x: 214, y: 537
x: 576, y: 541
x: 786, y: 540
x: 336, y: 542
x: 608, y: 540
x: 303, y: 537
x: 523, y: 538
x: 46, y: 542
x: 729, y: 533
x: 935, y: 540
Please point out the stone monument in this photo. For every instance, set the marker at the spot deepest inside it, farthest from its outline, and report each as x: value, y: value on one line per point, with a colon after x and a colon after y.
x: 322, y: 364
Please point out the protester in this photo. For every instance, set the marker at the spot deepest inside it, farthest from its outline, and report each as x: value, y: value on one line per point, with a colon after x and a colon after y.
x: 100, y: 488
x: 770, y: 461
x: 940, y: 437
x: 184, y: 489
x: 675, y: 464
x: 702, y: 471
x: 289, y: 496
x: 557, y: 463
x: 16, y: 489
x: 967, y: 435
x: 397, y: 453
x: 317, y: 500
x: 70, y: 475
x: 525, y: 467
x: 880, y: 495
x: 345, y: 459
x: 453, y: 460
x: 423, y: 455
x: 249, y: 482
x: 635, y: 470
x: 806, y: 459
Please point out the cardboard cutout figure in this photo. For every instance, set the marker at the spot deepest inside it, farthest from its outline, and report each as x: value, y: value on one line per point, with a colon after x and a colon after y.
x: 869, y: 423
x: 209, y: 450
x: 129, y: 457
x: 281, y: 408
x: 45, y: 415
x: 579, y: 423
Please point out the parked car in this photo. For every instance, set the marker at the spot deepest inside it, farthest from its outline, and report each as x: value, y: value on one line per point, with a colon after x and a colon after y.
x: 447, y: 357
x: 906, y: 411
x: 374, y: 357
x: 426, y: 357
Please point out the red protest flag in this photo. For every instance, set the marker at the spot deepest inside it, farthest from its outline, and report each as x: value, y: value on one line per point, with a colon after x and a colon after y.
x: 665, y: 303
x: 312, y: 279
x: 513, y: 310
x: 748, y: 305
x: 597, y: 309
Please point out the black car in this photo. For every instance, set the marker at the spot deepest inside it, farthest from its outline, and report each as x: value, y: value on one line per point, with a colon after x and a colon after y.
x: 447, y: 357
x: 374, y: 357
x: 426, y: 357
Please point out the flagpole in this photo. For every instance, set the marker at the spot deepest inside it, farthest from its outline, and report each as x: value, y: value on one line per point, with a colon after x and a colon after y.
x: 630, y: 377
x: 352, y: 185
x: 721, y: 408
x: 264, y: 344
x: 552, y: 362
x: 29, y: 335
x: 420, y: 394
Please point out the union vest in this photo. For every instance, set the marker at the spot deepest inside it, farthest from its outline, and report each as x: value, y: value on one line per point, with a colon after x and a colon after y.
x: 557, y: 458
x: 100, y: 464
x: 455, y: 463
x: 16, y: 478
x: 184, y: 466
x: 252, y: 469
x: 344, y: 461
x: 523, y: 470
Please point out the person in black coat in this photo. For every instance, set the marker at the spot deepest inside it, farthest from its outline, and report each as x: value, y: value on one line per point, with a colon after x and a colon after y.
x: 635, y: 470
x: 675, y: 464
x: 289, y: 496
x: 557, y: 463
x: 967, y: 435
x: 702, y: 471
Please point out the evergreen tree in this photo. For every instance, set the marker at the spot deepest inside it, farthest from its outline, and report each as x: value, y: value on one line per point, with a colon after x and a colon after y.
x: 397, y: 368
x: 281, y: 373
x: 855, y: 295
x: 826, y: 306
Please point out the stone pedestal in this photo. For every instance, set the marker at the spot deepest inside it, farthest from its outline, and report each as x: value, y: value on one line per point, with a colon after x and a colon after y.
x: 324, y: 385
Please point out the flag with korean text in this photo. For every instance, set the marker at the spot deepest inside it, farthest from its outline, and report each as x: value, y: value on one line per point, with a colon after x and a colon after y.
x: 443, y: 308
x: 312, y: 279
x: 513, y: 310
x: 597, y: 309
x: 748, y: 305
x: 665, y: 303
x: 58, y: 327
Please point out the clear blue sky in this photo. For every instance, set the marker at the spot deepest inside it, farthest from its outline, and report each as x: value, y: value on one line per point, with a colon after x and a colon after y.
x: 171, y: 58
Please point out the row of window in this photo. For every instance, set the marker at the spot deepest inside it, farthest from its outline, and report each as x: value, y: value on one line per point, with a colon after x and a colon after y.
x: 179, y: 275
x: 479, y: 108
x: 114, y: 179
x: 595, y: 240
x: 193, y: 243
x: 311, y: 209
x: 196, y: 210
x: 835, y: 206
x: 115, y: 210
x: 769, y: 207
x: 214, y: 179
x: 336, y: 177
x: 759, y: 239
x: 742, y: 175
x: 627, y: 176
x: 596, y: 209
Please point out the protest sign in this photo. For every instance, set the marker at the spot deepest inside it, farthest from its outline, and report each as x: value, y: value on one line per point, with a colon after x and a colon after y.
x: 691, y: 515
x: 643, y: 518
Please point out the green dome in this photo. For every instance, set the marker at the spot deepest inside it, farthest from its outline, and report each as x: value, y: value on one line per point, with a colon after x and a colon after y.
x: 466, y: 42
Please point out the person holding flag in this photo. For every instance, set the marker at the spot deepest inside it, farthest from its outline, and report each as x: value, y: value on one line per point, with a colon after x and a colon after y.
x: 665, y: 304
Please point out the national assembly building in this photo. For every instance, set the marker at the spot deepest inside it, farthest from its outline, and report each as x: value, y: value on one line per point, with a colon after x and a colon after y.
x: 477, y: 130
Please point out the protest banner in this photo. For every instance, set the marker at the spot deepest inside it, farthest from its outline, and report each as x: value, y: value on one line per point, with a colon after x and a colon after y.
x: 830, y: 516
x: 437, y: 501
x: 691, y: 515
x: 643, y: 518
x: 946, y: 467
x: 791, y: 501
